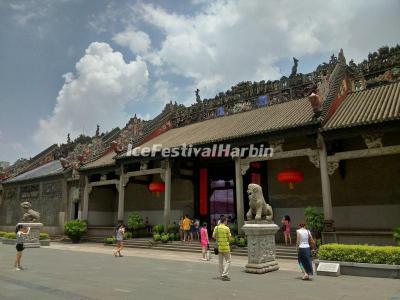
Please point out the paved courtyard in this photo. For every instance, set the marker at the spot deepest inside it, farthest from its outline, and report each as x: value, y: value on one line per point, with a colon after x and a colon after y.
x: 89, y: 271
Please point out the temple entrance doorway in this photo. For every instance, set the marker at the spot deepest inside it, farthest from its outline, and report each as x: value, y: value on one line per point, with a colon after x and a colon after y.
x: 222, y: 200
x: 221, y: 193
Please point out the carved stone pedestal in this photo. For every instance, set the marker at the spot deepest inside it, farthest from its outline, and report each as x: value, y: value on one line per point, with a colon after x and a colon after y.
x: 32, y: 240
x: 261, y: 246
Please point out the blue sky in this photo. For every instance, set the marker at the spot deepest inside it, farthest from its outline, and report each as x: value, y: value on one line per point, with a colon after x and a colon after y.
x: 67, y: 65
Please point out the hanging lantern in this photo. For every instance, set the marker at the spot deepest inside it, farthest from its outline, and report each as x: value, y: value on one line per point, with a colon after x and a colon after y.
x: 157, y: 187
x: 290, y: 176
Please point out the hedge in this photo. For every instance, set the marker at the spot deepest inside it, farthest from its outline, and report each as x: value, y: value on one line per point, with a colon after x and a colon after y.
x: 10, y: 236
x: 44, y: 236
x: 109, y: 240
x: 360, y: 254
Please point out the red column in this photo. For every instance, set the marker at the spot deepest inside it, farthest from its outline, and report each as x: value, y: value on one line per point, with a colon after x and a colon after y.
x: 203, y: 192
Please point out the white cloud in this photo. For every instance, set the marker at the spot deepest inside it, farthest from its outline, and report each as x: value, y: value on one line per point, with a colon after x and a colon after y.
x: 96, y: 93
x: 137, y: 41
x: 229, y: 41
x: 30, y: 10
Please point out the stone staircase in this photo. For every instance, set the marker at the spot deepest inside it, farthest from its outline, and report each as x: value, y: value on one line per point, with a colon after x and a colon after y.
x: 282, y: 252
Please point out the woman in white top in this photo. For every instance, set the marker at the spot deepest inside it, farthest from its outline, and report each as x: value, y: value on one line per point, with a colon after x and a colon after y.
x: 304, y: 238
x: 119, y: 236
x: 21, y: 232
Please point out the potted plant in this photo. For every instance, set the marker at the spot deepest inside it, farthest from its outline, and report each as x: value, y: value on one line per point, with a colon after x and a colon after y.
x: 157, y: 237
x: 75, y: 229
x: 44, y: 239
x: 314, y: 220
x: 165, y: 237
x: 159, y: 228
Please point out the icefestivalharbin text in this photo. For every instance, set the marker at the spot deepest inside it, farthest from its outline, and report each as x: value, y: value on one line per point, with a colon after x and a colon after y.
x: 216, y: 150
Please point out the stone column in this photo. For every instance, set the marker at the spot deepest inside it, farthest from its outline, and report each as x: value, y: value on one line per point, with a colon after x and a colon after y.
x: 239, y: 196
x: 167, y: 200
x: 86, y: 194
x: 121, y: 195
x: 64, y: 214
x: 325, y: 183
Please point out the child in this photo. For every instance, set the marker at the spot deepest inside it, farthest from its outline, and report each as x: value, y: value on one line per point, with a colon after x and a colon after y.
x: 21, y: 231
x: 119, y: 235
x: 204, y: 241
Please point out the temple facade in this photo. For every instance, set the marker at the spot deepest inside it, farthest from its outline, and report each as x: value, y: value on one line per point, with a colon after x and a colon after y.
x: 339, y: 127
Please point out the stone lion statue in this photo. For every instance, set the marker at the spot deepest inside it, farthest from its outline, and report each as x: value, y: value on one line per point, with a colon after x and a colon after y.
x: 30, y: 215
x: 259, y: 209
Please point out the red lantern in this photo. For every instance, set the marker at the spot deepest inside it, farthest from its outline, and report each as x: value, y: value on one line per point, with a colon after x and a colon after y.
x: 157, y: 187
x: 290, y: 176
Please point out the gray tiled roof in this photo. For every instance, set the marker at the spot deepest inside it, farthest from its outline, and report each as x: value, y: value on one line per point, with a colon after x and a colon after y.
x: 52, y: 168
x: 262, y: 120
x: 367, y: 107
x: 105, y: 160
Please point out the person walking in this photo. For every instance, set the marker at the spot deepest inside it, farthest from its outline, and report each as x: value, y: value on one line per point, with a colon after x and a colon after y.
x: 304, y: 239
x: 21, y: 232
x: 286, y: 228
x: 222, y: 234
x: 196, y: 225
x: 119, y: 235
x: 204, y: 241
x: 186, y: 228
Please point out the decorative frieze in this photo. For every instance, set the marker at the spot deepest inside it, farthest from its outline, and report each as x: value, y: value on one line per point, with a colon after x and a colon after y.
x: 373, y: 140
x: 314, y: 159
x: 277, y: 145
x: 332, y: 166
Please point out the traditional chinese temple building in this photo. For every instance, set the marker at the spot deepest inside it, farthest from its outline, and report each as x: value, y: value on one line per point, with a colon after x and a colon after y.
x: 335, y: 135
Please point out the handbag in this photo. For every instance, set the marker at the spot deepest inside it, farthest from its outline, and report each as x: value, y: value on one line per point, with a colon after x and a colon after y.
x: 311, y: 241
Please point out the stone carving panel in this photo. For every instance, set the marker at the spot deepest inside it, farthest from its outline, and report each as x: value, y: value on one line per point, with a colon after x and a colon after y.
x: 261, y: 249
x: 10, y: 210
x: 50, y: 202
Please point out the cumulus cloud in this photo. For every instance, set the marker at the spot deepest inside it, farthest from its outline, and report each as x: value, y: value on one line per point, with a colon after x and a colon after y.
x: 137, y: 41
x: 229, y: 41
x: 96, y: 93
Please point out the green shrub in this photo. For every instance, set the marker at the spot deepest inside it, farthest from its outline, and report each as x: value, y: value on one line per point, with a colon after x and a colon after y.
x: 232, y: 240
x: 172, y: 236
x: 173, y: 228
x: 157, y: 237
x: 165, y: 237
x: 44, y: 236
x: 177, y: 237
x: 360, y: 254
x: 2, y: 233
x: 109, y: 240
x: 10, y: 236
x: 233, y: 228
x: 128, y: 235
x: 314, y: 219
x: 159, y: 228
x: 396, y: 234
x: 242, y: 242
x: 135, y: 221
x: 75, y: 229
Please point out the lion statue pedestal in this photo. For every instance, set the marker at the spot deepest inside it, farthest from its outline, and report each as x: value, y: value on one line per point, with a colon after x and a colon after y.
x: 30, y: 219
x: 260, y: 232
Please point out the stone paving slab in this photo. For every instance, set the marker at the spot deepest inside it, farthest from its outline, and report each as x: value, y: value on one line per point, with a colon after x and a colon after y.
x: 90, y: 272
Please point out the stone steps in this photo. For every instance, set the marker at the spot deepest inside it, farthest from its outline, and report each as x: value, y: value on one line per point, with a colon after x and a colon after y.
x: 282, y: 252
